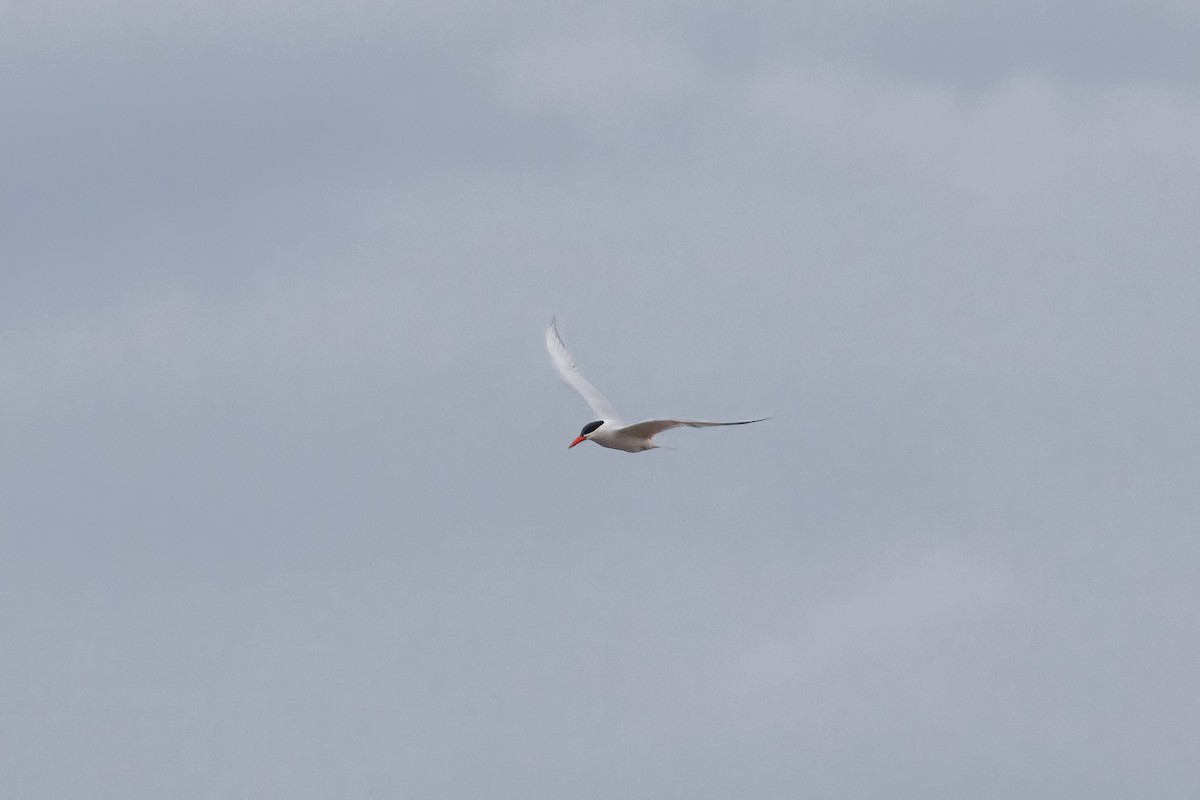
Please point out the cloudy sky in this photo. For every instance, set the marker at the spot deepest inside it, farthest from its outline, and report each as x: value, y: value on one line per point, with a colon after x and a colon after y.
x: 286, y: 505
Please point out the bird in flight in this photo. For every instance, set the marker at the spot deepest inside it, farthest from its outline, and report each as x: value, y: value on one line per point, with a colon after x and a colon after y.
x: 608, y: 430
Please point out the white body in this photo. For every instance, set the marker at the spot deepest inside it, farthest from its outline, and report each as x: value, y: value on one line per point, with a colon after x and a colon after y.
x: 613, y: 435
x: 640, y: 436
x: 609, y: 431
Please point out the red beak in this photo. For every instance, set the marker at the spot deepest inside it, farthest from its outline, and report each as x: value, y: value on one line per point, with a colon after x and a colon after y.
x: 578, y: 439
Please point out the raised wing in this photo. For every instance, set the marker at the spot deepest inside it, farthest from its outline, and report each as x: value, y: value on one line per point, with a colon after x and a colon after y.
x: 653, y: 427
x: 569, y: 372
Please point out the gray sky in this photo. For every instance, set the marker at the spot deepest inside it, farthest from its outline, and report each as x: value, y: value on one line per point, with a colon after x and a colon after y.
x: 287, y: 506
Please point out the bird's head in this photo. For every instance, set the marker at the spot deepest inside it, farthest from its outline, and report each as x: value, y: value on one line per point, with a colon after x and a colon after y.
x: 586, y: 433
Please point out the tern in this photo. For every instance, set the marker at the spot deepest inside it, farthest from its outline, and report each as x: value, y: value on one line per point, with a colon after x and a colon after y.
x: 609, y: 431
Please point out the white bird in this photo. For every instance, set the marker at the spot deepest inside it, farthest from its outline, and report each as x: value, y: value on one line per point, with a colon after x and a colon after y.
x: 609, y: 431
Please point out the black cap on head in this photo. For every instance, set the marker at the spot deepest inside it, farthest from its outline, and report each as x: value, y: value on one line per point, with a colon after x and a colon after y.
x: 591, y: 426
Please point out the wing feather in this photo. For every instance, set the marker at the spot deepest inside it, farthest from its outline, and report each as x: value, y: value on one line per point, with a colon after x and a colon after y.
x: 653, y: 427
x: 568, y: 370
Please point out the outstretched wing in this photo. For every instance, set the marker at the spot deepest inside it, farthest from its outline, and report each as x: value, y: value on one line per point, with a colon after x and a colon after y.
x: 569, y: 372
x: 653, y: 427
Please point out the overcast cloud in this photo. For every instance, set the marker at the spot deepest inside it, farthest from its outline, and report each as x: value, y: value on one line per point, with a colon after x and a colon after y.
x: 287, y: 507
